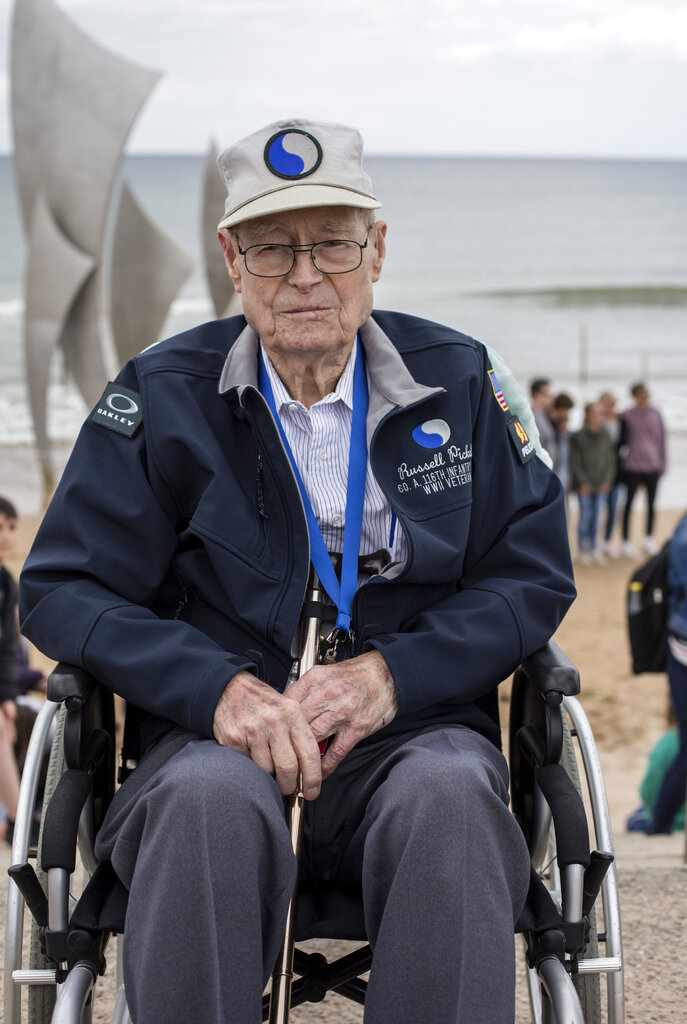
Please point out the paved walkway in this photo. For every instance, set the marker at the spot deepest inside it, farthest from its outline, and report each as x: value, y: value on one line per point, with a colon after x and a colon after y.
x: 652, y: 879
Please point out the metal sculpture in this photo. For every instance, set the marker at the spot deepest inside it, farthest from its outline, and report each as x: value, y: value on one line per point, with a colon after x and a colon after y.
x: 56, y: 272
x: 224, y: 298
x: 142, y: 288
x: 73, y: 106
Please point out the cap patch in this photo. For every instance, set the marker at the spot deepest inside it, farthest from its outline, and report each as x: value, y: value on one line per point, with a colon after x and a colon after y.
x: 521, y: 442
x: 293, y: 154
x: 119, y: 409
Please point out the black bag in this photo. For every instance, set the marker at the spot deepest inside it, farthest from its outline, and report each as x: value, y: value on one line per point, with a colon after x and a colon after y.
x: 647, y: 613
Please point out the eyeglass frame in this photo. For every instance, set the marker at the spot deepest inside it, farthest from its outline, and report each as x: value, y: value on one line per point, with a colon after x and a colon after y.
x: 295, y: 249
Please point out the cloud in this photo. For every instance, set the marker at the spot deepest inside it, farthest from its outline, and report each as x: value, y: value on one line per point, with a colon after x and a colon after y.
x: 509, y: 79
x: 640, y: 30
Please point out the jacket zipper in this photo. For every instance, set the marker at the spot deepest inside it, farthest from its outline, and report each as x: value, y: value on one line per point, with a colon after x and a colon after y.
x: 286, y: 460
x: 183, y: 600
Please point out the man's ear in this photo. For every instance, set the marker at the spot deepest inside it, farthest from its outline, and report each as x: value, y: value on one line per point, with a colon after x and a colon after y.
x: 378, y: 239
x: 231, y: 256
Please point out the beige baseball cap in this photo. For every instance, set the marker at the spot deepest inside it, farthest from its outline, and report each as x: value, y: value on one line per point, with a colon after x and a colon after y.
x: 290, y: 165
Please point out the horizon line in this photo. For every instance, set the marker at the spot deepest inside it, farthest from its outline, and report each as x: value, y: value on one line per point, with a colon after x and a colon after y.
x: 399, y: 155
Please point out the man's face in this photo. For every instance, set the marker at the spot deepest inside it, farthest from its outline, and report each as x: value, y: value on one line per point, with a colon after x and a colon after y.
x: 545, y: 397
x: 8, y: 537
x: 307, y: 312
x: 594, y: 418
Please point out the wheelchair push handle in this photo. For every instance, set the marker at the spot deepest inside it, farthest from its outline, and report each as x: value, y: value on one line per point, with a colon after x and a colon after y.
x: 282, y: 975
x: 552, y: 673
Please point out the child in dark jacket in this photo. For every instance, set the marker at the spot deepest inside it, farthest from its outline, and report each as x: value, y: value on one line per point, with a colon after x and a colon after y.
x: 9, y: 773
x: 16, y: 678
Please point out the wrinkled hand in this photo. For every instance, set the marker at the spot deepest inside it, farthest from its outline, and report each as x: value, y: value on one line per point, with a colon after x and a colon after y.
x: 272, y: 730
x: 9, y: 712
x: 351, y: 699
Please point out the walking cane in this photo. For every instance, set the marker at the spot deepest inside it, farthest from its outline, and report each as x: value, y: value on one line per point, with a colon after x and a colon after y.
x: 282, y: 975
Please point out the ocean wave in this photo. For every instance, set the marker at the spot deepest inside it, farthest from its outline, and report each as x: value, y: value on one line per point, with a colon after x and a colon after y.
x: 186, y: 306
x: 607, y: 295
x: 16, y: 423
x: 11, y: 309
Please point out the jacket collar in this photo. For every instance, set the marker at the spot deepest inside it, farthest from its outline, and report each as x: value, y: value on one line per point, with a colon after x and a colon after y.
x: 391, y: 383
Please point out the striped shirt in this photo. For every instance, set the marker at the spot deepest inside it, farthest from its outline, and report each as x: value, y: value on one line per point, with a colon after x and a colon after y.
x: 320, y: 439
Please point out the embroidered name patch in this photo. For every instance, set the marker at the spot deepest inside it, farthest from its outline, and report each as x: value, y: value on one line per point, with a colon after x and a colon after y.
x: 518, y: 435
x: 443, y: 472
x: 119, y: 409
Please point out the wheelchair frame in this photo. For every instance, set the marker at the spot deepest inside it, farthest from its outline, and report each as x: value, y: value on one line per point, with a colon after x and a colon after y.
x: 553, y: 995
x: 609, y: 966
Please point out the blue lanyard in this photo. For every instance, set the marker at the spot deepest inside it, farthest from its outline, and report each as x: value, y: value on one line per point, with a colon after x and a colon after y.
x: 341, y: 593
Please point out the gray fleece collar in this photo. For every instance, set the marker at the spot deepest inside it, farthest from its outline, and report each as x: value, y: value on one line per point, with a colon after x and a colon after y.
x: 391, y: 382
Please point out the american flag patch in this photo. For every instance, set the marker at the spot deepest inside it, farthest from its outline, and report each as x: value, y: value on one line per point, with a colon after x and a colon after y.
x: 497, y: 391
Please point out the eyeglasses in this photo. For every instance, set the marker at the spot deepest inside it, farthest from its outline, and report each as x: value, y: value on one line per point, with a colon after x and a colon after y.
x: 335, y: 256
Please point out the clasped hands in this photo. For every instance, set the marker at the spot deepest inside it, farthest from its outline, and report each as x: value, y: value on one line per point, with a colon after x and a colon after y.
x: 280, y: 732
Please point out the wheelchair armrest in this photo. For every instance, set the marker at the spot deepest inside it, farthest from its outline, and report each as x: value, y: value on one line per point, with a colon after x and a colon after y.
x: 89, y: 726
x: 552, y: 673
x: 70, y: 684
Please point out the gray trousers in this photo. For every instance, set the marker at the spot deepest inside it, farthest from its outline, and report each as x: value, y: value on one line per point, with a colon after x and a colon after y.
x: 420, y: 823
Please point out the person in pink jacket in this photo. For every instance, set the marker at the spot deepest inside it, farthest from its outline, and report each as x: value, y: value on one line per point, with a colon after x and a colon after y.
x: 642, y: 461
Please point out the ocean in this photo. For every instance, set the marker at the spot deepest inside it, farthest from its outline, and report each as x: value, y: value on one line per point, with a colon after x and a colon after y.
x: 573, y: 269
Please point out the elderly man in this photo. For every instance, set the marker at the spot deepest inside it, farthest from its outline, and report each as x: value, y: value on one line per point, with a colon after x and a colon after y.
x: 173, y: 564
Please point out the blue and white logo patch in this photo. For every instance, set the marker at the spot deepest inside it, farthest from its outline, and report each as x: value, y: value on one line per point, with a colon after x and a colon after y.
x: 432, y: 434
x: 293, y: 154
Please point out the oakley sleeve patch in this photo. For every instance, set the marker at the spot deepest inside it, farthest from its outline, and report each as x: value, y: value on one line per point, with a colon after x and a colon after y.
x: 119, y: 409
x: 521, y: 442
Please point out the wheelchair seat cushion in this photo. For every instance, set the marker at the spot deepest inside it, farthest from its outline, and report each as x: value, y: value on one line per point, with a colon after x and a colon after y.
x: 330, y: 913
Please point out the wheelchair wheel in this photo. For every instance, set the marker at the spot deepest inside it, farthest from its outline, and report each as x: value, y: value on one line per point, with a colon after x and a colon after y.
x: 41, y: 998
x: 587, y: 986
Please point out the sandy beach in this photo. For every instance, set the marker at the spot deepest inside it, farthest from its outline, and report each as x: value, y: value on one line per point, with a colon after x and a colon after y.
x: 627, y: 714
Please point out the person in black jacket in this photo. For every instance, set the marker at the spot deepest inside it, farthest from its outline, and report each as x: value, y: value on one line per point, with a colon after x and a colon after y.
x: 173, y: 564
x: 9, y: 774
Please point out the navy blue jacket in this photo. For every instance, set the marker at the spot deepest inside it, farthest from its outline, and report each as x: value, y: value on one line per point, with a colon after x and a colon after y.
x: 172, y: 559
x: 677, y: 581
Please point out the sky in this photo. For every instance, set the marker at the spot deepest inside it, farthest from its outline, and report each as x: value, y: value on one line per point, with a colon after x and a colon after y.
x: 512, y: 77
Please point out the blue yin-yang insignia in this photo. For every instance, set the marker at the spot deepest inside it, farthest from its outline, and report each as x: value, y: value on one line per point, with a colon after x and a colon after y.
x: 432, y: 433
x: 293, y: 154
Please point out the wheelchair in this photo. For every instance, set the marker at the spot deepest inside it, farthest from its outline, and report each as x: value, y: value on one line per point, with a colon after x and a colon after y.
x: 569, y: 930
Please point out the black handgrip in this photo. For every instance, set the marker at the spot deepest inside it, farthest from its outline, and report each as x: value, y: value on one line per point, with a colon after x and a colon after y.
x: 552, y: 672
x: 26, y: 880
x: 62, y: 820
x: 593, y: 878
x: 569, y: 818
x: 70, y: 683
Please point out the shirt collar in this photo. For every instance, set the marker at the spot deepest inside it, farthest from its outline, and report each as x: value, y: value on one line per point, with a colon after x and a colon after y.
x: 343, y: 391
